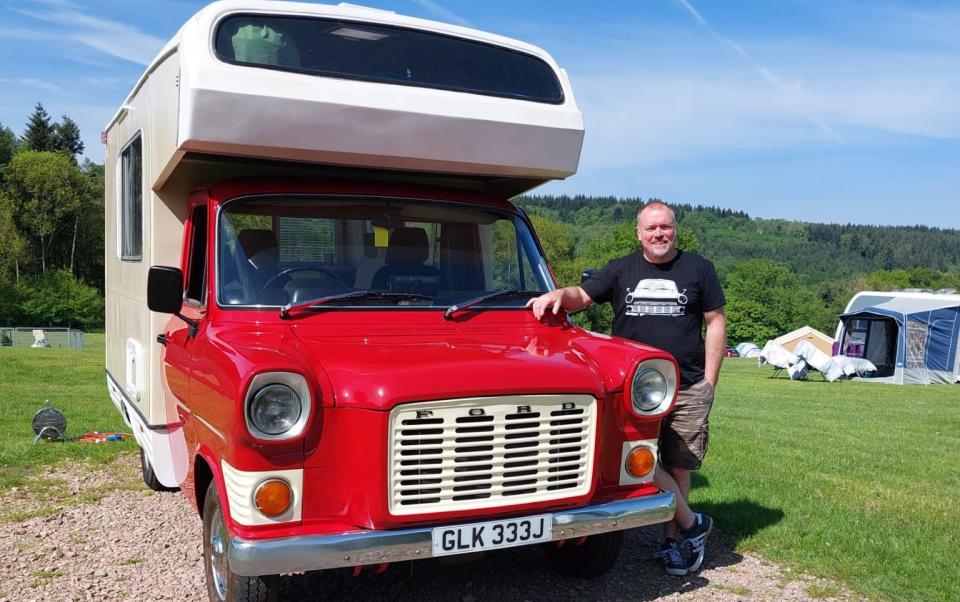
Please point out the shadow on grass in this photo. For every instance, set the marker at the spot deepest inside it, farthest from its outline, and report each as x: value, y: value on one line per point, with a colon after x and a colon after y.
x: 737, y: 519
x: 740, y: 519
x: 808, y: 379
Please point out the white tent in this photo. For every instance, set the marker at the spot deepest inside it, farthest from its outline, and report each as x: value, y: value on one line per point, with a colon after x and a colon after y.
x: 818, y: 339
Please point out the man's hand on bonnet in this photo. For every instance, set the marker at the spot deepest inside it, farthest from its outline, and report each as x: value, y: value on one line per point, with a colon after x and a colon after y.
x: 551, y: 302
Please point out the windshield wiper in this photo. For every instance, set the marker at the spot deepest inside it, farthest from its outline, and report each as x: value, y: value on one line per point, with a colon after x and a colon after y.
x: 453, y: 309
x: 292, y: 310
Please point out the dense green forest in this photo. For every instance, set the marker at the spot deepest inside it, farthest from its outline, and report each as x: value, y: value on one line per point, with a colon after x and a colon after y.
x: 778, y: 275
x: 51, y: 227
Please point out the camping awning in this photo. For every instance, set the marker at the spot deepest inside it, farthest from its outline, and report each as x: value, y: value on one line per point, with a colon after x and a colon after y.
x: 928, y: 339
x: 899, y: 306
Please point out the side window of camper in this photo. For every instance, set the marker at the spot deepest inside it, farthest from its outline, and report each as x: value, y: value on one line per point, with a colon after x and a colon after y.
x: 131, y: 201
x: 196, y: 271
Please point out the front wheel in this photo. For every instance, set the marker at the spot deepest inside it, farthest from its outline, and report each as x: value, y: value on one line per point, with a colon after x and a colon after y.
x: 592, y: 558
x: 223, y: 585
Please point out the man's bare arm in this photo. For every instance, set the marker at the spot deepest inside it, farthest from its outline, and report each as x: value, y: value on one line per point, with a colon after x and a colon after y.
x: 714, y: 343
x: 570, y: 298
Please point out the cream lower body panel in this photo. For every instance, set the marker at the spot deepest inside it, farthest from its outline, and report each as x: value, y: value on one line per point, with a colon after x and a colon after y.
x: 241, y: 486
x: 163, y: 446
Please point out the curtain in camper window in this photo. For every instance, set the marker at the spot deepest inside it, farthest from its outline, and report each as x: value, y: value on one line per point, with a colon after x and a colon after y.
x: 131, y: 202
x: 385, y: 54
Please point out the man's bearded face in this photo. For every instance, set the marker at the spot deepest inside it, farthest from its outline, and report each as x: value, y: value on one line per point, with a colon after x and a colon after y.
x: 657, y: 234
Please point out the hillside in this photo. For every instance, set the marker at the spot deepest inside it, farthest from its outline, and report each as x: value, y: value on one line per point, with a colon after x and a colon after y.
x: 816, y: 252
x: 816, y: 266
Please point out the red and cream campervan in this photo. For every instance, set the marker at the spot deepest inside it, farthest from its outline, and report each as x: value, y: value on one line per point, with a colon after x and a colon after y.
x: 316, y: 288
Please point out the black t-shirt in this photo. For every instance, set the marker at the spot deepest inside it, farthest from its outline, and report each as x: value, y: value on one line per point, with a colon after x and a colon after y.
x: 661, y: 304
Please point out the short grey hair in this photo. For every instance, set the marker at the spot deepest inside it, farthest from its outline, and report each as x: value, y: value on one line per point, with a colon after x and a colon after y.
x: 657, y: 204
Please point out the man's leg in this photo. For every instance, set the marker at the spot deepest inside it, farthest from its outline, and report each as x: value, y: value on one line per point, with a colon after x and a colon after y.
x: 669, y: 552
x: 682, y: 477
x: 683, y: 444
x: 684, y: 517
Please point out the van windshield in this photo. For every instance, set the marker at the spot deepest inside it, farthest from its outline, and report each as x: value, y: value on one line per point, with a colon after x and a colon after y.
x: 278, y: 250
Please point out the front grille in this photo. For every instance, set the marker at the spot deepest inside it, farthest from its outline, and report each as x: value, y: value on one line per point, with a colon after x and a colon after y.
x: 485, y: 452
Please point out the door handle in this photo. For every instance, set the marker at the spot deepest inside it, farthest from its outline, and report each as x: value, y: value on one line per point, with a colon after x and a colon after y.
x: 162, y: 339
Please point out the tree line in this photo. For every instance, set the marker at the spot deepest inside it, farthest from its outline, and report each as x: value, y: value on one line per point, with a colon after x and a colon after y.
x: 777, y: 275
x: 51, y: 225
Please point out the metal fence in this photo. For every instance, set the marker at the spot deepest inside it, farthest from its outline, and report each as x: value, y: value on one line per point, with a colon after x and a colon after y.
x: 26, y: 336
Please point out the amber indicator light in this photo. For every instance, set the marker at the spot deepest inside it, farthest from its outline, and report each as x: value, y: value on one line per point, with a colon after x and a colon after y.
x: 640, y: 461
x: 273, y: 497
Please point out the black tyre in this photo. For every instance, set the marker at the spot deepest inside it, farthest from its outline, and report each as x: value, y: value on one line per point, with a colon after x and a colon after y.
x: 223, y: 585
x: 150, y: 477
x: 592, y: 558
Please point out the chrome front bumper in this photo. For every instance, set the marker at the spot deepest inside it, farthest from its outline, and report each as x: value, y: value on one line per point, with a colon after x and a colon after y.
x: 310, y: 553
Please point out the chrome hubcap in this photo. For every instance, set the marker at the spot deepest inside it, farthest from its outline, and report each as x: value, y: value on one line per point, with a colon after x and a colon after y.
x: 218, y: 554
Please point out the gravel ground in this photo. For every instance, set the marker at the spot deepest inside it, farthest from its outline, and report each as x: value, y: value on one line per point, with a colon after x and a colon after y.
x: 139, y: 545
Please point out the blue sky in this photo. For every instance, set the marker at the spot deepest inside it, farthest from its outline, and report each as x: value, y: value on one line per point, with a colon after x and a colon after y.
x: 827, y: 111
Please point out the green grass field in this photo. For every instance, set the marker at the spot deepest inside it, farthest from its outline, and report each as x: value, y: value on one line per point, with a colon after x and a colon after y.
x: 854, y: 482
x: 75, y: 383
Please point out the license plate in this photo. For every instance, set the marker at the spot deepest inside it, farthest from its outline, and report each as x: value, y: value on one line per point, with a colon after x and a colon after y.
x: 492, y: 535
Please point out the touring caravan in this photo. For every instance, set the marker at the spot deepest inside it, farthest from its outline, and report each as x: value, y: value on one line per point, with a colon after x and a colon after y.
x: 316, y: 301
x: 912, y: 337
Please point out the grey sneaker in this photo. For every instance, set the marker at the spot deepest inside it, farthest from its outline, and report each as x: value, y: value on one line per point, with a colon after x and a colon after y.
x: 695, y: 540
x: 669, y: 555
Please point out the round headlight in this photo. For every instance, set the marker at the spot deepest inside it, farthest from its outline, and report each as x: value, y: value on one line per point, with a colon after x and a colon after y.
x: 649, y: 389
x: 275, y: 409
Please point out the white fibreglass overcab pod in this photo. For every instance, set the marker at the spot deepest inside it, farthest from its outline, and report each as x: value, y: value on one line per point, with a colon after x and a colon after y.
x: 344, y: 85
x: 287, y: 89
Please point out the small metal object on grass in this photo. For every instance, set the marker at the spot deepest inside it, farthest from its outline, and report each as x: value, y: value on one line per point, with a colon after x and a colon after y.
x: 50, y: 424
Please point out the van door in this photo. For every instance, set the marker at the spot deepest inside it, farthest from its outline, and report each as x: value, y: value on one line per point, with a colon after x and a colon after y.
x: 211, y: 408
x: 178, y: 357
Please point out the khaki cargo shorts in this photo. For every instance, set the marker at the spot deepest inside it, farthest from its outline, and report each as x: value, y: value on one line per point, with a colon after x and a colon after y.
x: 684, y: 433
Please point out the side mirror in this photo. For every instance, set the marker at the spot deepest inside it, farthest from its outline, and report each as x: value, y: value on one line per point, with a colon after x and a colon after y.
x: 165, y: 289
x: 587, y: 275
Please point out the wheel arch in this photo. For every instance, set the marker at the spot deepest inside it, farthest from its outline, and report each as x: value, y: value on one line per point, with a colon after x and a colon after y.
x: 203, y: 475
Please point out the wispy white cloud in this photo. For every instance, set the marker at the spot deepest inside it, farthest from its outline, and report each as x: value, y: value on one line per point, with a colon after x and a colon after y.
x: 100, y: 62
x: 101, y: 82
x: 106, y: 35
x: 28, y: 82
x: 667, y: 117
x: 57, y: 3
x: 664, y: 95
x: 442, y: 13
x: 788, y: 92
x: 905, y: 25
x: 30, y: 35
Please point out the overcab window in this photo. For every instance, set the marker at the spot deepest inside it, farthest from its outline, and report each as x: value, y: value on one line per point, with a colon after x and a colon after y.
x: 385, y: 54
x: 131, y: 201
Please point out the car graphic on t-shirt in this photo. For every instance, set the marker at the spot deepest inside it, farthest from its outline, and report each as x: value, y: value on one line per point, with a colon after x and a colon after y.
x: 656, y: 297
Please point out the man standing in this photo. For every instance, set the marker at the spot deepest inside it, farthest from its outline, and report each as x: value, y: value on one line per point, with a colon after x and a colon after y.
x: 663, y: 297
